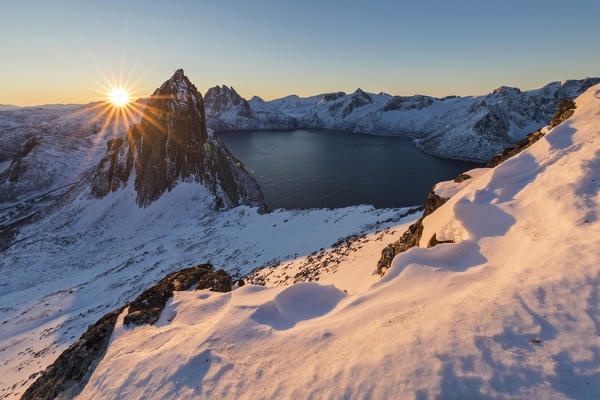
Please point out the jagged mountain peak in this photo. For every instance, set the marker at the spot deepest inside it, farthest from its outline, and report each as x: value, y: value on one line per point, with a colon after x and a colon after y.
x: 171, y: 145
x: 257, y: 98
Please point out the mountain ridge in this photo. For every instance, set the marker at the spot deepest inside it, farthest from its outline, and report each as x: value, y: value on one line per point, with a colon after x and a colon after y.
x: 472, y: 128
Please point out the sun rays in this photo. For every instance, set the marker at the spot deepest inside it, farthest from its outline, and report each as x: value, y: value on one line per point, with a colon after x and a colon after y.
x: 119, y: 97
x: 113, y: 116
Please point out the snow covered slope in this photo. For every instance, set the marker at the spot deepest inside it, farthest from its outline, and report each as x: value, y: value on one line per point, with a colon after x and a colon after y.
x: 471, y: 128
x: 227, y: 110
x: 44, y: 151
x: 93, y: 255
x: 509, y: 310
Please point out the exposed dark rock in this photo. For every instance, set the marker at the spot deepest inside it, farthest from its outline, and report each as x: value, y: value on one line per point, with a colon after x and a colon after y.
x: 411, y: 237
x: 239, y: 282
x: 461, y: 178
x: 221, y: 98
x: 66, y: 377
x: 113, y: 169
x: 146, y: 308
x: 417, y: 102
x: 432, y: 203
x: 434, y: 242
x: 566, y: 108
x: 169, y: 141
x: 71, y: 369
x: 357, y: 99
x: 493, y: 122
x: 514, y: 150
x: 218, y: 281
x: 16, y: 168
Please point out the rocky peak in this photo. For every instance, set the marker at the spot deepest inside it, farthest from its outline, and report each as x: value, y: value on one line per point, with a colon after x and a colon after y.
x: 222, y: 98
x: 357, y: 99
x: 171, y: 144
x: 169, y: 141
x: 359, y: 93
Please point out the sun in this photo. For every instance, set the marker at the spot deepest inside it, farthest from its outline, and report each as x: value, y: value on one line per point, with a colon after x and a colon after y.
x: 119, y: 97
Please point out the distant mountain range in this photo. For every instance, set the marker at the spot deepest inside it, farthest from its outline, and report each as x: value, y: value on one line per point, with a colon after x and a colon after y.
x: 468, y: 128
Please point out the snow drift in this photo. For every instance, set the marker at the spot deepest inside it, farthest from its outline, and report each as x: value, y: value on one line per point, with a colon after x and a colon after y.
x: 509, y: 310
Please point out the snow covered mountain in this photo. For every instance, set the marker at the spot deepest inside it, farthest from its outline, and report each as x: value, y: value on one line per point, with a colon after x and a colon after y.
x: 470, y: 128
x: 498, y: 299
x: 44, y: 152
x: 227, y: 110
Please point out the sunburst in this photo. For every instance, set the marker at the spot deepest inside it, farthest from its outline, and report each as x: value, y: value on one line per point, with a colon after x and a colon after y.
x: 119, y: 97
x: 118, y: 110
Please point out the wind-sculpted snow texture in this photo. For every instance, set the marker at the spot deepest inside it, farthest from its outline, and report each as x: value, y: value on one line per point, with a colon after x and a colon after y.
x: 508, y: 310
x: 470, y: 128
x: 92, y: 256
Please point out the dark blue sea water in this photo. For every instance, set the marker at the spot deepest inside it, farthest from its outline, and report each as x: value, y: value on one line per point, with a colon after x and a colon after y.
x: 321, y: 168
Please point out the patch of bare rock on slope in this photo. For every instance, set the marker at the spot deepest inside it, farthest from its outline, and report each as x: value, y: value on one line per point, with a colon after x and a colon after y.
x: 66, y: 377
x: 412, y: 236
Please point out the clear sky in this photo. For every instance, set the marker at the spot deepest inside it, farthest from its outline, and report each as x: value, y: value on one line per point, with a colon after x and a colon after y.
x: 61, y: 51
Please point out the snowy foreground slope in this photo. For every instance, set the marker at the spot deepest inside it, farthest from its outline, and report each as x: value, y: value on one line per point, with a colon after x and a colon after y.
x: 509, y: 310
x: 95, y: 255
x: 470, y: 127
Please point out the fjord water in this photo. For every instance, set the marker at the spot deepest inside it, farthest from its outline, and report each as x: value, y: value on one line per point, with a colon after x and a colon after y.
x: 329, y: 169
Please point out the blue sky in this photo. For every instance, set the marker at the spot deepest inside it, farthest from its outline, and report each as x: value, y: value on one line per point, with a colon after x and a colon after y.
x: 61, y: 51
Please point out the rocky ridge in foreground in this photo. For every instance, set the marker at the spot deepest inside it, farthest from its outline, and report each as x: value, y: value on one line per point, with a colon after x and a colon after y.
x: 68, y: 374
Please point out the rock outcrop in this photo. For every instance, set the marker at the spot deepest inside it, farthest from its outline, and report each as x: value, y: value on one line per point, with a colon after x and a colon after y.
x: 15, y: 170
x: 566, y: 108
x: 112, y: 172
x: 67, y: 376
x: 411, y: 237
x: 171, y: 144
x: 218, y: 281
x: 146, y: 308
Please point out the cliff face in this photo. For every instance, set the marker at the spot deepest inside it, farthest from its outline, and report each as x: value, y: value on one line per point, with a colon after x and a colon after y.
x: 171, y: 144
